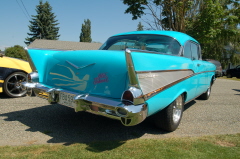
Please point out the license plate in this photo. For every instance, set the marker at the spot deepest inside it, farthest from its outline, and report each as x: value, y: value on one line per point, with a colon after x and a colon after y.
x: 66, y: 99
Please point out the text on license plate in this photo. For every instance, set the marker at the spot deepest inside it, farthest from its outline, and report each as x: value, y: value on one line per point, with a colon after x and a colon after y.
x: 66, y: 99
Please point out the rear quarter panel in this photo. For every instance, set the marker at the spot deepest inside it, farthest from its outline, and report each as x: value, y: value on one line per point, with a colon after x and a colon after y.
x: 164, y: 77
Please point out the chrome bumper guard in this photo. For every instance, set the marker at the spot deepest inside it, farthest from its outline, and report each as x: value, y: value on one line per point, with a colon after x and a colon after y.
x: 129, y: 115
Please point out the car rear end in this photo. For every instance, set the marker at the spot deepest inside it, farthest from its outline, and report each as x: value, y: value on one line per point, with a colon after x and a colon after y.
x: 95, y: 81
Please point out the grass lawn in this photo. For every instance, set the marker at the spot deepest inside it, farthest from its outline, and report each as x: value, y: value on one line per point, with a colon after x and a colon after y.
x: 219, y: 146
x: 234, y: 78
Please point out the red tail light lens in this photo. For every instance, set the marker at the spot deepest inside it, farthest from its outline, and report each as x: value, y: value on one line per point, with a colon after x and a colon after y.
x: 127, y: 98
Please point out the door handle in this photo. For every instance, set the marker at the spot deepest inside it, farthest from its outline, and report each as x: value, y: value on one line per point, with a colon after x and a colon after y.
x: 198, y: 64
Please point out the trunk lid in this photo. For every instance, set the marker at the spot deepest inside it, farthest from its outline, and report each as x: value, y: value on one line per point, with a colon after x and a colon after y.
x: 94, y: 72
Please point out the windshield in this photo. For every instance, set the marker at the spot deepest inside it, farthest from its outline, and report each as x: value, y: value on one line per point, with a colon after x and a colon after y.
x: 156, y: 43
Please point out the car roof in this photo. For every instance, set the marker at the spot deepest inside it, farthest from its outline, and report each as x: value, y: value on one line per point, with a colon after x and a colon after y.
x: 180, y: 37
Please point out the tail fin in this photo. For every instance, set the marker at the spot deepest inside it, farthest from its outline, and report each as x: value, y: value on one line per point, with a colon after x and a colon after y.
x: 38, y: 59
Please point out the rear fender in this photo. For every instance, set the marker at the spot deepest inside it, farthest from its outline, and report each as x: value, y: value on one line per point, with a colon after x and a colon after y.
x: 38, y: 60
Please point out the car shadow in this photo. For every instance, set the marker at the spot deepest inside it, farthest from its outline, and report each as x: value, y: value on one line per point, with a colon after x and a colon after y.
x: 188, y: 105
x: 67, y: 127
x: 237, y: 90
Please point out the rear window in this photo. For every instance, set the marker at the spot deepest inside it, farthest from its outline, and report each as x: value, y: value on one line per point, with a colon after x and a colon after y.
x: 156, y: 43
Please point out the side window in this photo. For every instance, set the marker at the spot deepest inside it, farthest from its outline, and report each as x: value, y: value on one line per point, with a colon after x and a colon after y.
x: 195, y: 51
x: 187, y: 50
x: 191, y: 50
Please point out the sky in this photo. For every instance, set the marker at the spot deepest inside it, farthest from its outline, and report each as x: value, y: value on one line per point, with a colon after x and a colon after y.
x: 107, y: 18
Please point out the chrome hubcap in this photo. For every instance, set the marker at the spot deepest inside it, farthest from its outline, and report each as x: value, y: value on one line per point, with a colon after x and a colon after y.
x: 177, y: 109
x: 209, y: 91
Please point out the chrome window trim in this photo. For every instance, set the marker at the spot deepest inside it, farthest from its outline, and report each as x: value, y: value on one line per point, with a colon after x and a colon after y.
x: 150, y: 80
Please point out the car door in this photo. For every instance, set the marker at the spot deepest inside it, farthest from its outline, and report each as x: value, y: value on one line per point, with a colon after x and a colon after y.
x: 198, y: 80
x: 199, y: 68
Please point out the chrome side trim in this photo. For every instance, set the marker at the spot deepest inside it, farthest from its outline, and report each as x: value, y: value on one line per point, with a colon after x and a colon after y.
x: 155, y: 71
x: 149, y: 81
x: 156, y: 91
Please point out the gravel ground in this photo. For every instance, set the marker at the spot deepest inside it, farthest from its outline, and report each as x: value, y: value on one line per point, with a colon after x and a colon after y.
x: 31, y: 120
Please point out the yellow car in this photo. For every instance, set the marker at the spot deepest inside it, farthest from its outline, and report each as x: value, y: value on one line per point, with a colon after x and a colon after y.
x: 12, y: 73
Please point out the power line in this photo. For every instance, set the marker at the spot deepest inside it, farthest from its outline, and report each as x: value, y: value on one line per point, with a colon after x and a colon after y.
x: 28, y: 17
x: 22, y: 10
x: 26, y: 9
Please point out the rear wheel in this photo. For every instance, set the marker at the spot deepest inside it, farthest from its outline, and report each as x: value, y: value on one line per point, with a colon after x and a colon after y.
x: 169, y: 118
x: 12, y: 86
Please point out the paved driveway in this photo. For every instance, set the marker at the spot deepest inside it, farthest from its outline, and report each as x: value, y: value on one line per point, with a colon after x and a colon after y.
x: 27, y: 120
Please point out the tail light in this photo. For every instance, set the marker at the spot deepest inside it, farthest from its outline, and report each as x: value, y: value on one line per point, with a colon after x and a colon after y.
x: 132, y: 96
x: 127, y: 98
x: 33, y: 77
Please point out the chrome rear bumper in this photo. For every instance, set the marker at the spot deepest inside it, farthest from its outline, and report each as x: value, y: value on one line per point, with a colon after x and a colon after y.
x: 129, y: 115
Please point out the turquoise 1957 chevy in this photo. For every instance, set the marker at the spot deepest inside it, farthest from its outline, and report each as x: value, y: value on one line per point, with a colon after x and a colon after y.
x: 132, y: 76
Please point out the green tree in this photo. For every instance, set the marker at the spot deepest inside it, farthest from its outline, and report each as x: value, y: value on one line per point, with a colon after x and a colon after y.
x: 85, y: 35
x: 165, y: 14
x: 139, y: 26
x: 17, y: 52
x: 214, y: 23
x: 216, y: 28
x: 43, y: 25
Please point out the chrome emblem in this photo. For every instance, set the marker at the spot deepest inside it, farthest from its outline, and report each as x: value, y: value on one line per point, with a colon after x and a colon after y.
x: 75, y: 66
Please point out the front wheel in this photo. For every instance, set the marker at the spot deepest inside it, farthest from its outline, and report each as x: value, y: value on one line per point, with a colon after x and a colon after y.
x: 207, y: 94
x: 169, y: 118
x: 12, y: 86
